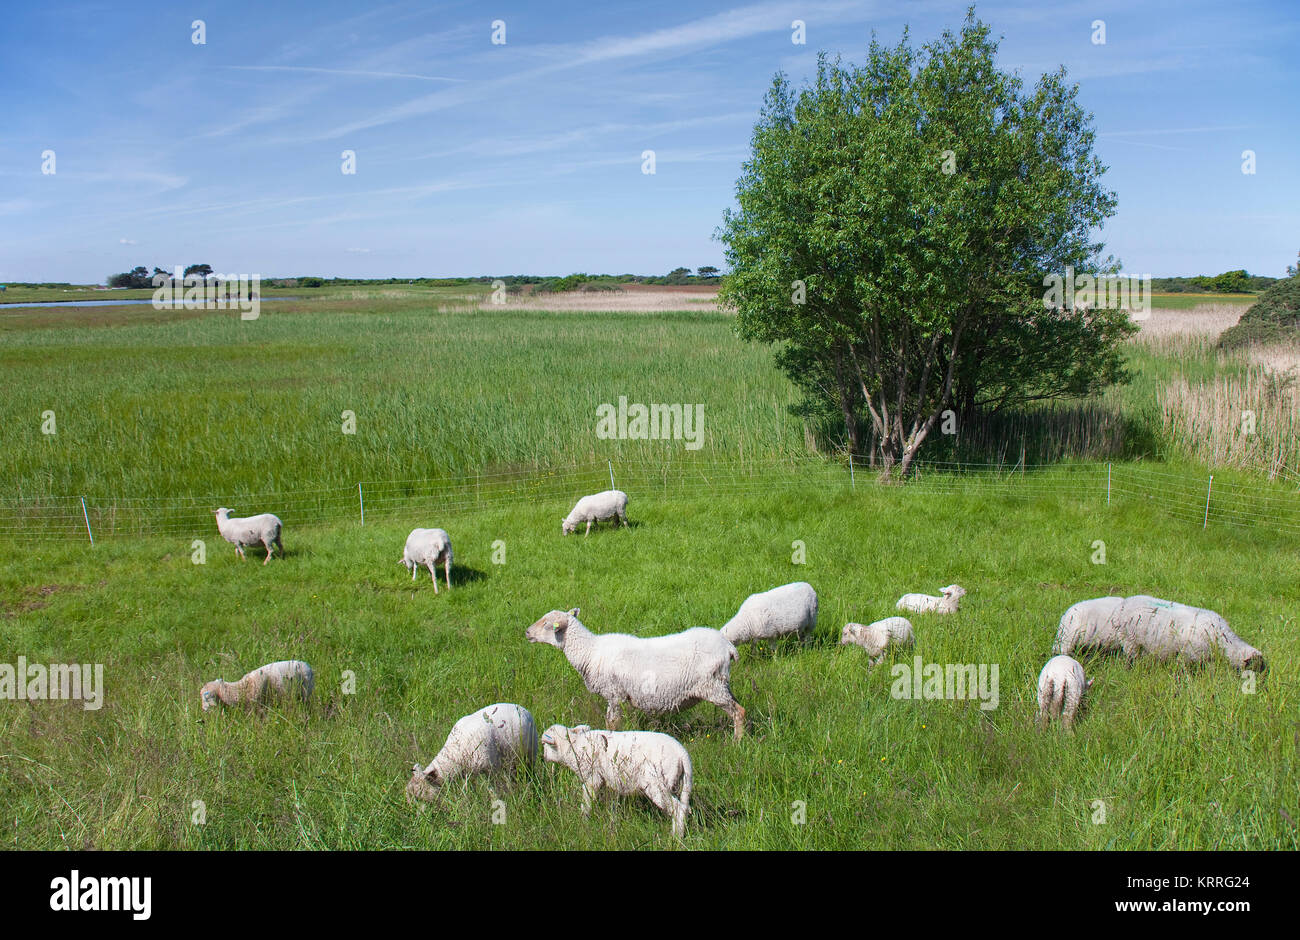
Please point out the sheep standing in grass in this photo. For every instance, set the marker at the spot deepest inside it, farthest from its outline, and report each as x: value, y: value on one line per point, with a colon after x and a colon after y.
x: 927, y: 604
x: 627, y: 762
x: 876, y: 638
x: 250, y: 530
x: 1142, y: 624
x: 657, y: 675
x: 287, y: 678
x: 790, y: 608
x: 496, y: 739
x: 1061, y: 685
x: 611, y: 504
x: 428, y: 547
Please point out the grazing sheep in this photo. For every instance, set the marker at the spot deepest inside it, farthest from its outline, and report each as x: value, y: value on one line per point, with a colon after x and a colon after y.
x: 877, y: 637
x: 1060, y: 690
x: 495, y: 739
x: 428, y: 547
x: 657, y: 675
x: 927, y: 604
x: 627, y: 762
x: 1089, y: 625
x: 1160, y: 628
x: 282, y: 679
x: 790, y: 608
x: 250, y: 530
x: 611, y: 504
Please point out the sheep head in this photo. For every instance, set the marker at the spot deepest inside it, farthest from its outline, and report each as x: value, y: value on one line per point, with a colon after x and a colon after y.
x: 422, y: 786
x: 210, y: 694
x: 953, y: 591
x: 222, y: 513
x: 551, y: 628
x: 850, y: 632
x: 567, y: 527
x: 558, y: 744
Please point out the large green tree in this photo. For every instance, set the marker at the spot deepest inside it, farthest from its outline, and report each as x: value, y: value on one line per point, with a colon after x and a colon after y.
x: 895, y: 224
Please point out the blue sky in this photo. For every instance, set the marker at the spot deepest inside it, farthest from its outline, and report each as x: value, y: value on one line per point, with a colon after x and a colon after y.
x: 474, y: 158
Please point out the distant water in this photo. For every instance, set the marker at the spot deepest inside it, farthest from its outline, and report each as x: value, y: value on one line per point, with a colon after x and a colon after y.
x: 144, y: 301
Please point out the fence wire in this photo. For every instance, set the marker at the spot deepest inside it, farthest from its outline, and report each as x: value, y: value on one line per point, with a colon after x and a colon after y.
x: 1198, y: 500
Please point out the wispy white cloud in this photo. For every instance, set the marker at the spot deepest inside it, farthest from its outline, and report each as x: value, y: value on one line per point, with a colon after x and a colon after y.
x: 351, y: 72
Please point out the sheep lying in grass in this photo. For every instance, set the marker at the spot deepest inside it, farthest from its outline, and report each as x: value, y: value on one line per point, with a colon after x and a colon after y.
x: 627, y: 762
x: 877, y: 637
x: 790, y: 608
x: 927, y: 604
x: 289, y: 677
x: 657, y: 675
x: 495, y: 739
x: 1159, y: 628
x: 1089, y: 625
x: 1061, y: 685
x: 428, y: 547
x: 611, y: 504
x: 250, y: 530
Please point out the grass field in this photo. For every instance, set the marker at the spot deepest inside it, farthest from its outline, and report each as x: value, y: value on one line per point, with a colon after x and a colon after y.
x: 211, y: 406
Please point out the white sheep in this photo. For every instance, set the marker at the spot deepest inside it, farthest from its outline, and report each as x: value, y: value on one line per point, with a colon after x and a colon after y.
x: 928, y: 604
x: 656, y: 674
x: 1061, y: 685
x: 289, y: 677
x: 249, y: 530
x: 790, y: 608
x: 495, y: 739
x: 1160, y: 628
x: 428, y: 547
x: 877, y: 637
x: 1089, y: 625
x: 627, y: 762
x: 611, y: 504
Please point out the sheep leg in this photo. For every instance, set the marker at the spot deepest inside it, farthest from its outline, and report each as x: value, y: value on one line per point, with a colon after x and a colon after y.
x: 433, y: 576
x: 588, y: 793
x: 727, y: 702
x: 588, y: 532
x: 669, y: 804
x: 623, y: 518
x: 239, y: 550
x: 415, y: 570
x: 446, y: 567
x: 268, y: 551
x: 613, y: 713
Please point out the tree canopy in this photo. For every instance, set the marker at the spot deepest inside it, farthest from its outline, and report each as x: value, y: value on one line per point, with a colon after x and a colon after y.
x: 895, y: 223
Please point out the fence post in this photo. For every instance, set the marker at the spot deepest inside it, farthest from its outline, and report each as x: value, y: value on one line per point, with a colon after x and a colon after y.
x: 1107, y: 484
x: 611, y: 473
x: 852, y: 485
x: 85, y: 515
x: 362, y: 500
x: 1209, y: 486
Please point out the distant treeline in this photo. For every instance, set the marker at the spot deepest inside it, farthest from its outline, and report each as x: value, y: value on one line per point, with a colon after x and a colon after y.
x: 1229, y: 282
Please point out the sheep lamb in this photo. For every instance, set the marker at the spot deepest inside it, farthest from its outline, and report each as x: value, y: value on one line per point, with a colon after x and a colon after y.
x: 611, y: 504
x: 250, y: 530
x: 495, y: 739
x: 876, y: 638
x: 1142, y: 624
x: 1061, y: 685
x: 428, y: 547
x: 285, y: 679
x: 627, y: 762
x: 657, y: 674
x: 790, y: 608
x: 928, y: 604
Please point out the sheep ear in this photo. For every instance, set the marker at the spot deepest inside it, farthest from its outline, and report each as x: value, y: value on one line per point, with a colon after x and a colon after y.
x: 574, y: 612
